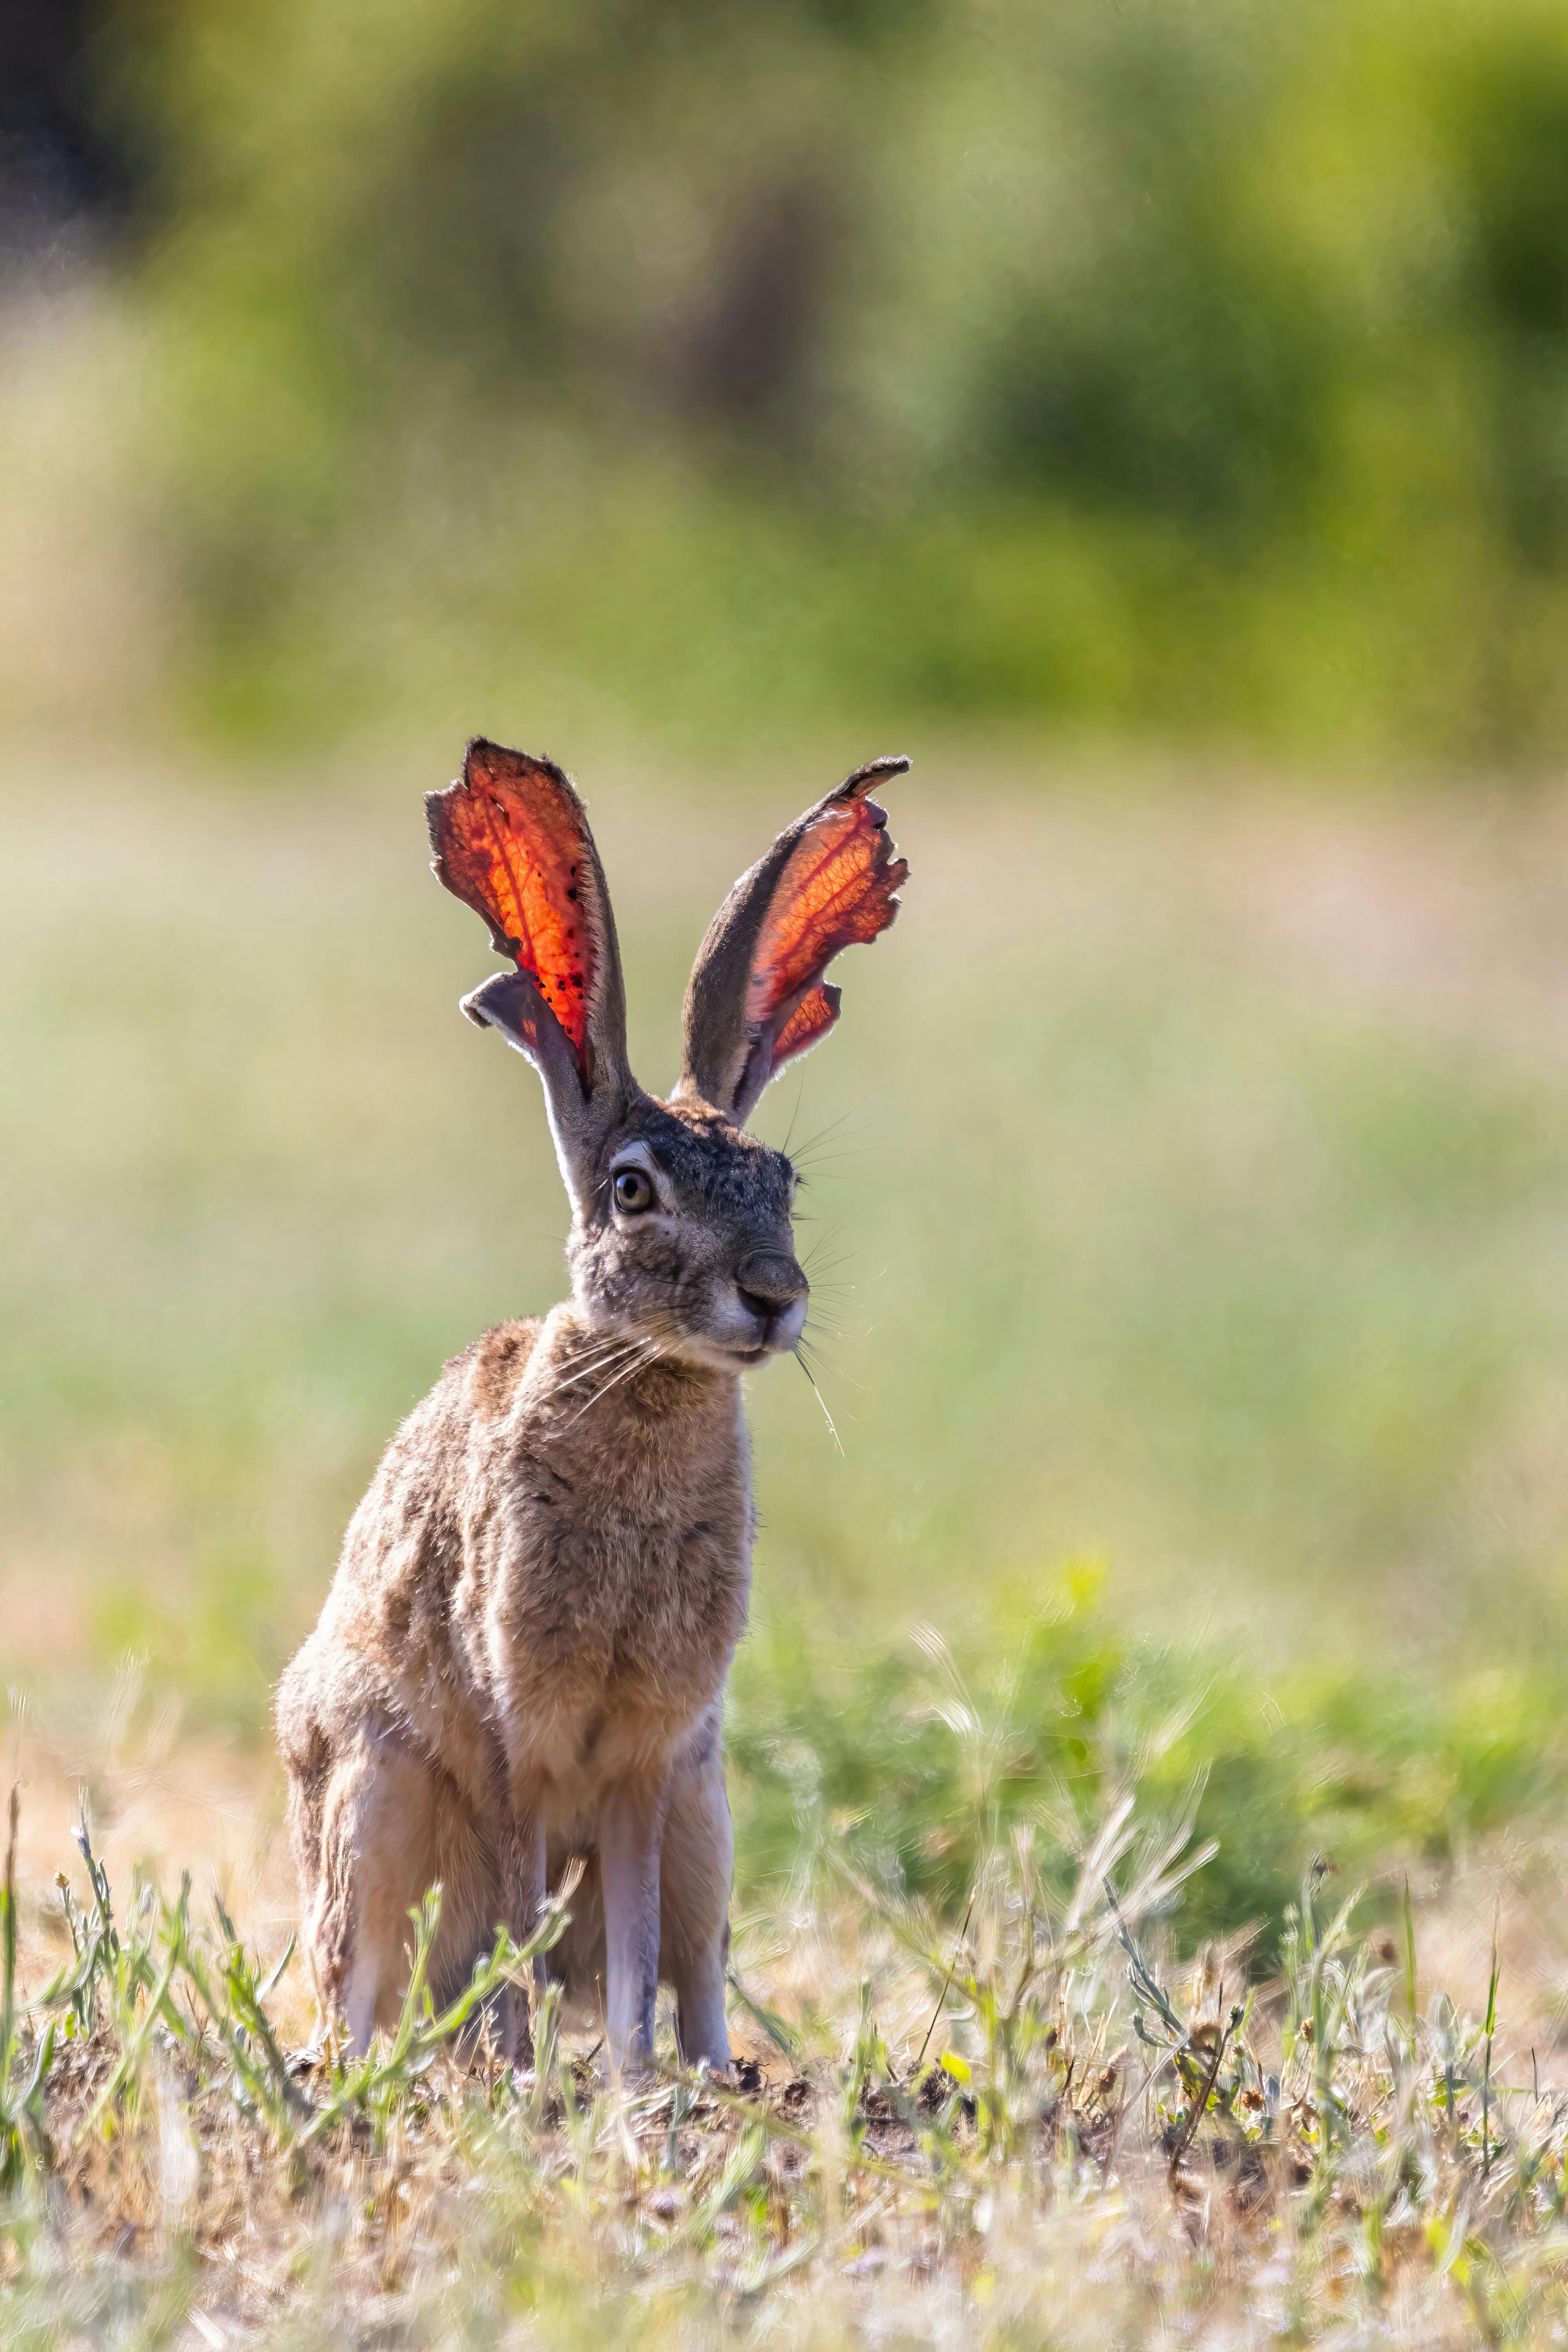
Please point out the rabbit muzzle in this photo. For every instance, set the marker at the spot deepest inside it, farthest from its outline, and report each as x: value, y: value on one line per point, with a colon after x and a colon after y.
x: 773, y: 1292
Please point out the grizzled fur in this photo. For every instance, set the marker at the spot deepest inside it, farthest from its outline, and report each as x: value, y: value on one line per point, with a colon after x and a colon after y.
x: 740, y: 1193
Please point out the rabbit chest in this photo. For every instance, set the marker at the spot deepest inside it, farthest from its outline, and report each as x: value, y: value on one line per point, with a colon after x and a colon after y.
x: 615, y: 1572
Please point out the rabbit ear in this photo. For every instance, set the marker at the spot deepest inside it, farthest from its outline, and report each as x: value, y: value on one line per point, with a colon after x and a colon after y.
x: 511, y: 840
x: 509, y: 1001
x: 757, y: 994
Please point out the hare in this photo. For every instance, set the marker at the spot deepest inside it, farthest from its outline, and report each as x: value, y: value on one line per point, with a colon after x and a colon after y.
x: 523, y: 1656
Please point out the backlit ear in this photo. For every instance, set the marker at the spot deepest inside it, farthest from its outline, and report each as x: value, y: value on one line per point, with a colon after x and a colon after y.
x: 757, y: 992
x: 511, y: 840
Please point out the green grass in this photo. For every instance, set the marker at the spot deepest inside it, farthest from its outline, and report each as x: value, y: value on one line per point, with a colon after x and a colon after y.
x: 921, y: 1758
x: 1036, y: 2131
x: 1189, y: 1196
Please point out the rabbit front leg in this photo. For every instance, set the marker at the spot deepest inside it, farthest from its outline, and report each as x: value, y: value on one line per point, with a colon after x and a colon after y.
x: 697, y: 1868
x: 631, y: 1832
x: 522, y: 1894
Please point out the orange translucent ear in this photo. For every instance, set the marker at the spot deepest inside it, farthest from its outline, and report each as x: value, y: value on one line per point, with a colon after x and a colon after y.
x: 511, y: 840
x: 813, y: 1017
x: 836, y: 891
x: 757, y: 992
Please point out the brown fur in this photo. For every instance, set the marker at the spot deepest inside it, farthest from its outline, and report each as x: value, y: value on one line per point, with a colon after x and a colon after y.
x: 523, y: 1656
x: 597, y: 1544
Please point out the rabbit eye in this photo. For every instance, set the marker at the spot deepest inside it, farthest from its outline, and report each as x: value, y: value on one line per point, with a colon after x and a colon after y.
x: 633, y: 1192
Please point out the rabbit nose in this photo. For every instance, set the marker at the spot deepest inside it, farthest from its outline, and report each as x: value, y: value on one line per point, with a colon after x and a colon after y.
x: 774, y: 1288
x: 768, y: 1282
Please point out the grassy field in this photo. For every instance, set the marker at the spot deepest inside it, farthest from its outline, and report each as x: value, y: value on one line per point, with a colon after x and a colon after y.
x: 1044, y: 2132
x: 1190, y: 1207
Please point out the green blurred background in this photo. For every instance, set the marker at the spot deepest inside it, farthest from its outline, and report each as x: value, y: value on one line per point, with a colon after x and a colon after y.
x: 1153, y: 417
x: 1192, y: 365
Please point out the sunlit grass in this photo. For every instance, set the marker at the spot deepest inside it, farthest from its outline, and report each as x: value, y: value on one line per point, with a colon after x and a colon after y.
x: 1033, y: 2128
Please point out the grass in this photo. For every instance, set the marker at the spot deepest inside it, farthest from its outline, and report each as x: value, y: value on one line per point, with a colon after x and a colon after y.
x: 1041, y: 1707
x: 1039, y: 2129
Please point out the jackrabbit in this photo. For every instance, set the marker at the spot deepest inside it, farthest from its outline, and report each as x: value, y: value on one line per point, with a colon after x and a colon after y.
x: 522, y: 1656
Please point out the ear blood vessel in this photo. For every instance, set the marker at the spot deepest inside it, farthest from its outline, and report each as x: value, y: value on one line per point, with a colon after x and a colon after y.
x: 521, y: 1659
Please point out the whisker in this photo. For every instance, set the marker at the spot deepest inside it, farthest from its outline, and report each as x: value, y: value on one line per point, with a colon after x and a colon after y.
x: 799, y: 1099
x: 605, y: 1347
x: 607, y: 1365
x: 821, y: 1399
x: 584, y: 1365
x: 643, y: 1355
x: 609, y: 1353
x: 828, y: 1159
x: 659, y: 1348
x: 831, y: 1129
x: 822, y: 1357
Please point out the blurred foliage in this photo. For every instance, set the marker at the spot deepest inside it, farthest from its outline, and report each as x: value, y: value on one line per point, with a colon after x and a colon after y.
x: 925, y: 1756
x: 1189, y: 363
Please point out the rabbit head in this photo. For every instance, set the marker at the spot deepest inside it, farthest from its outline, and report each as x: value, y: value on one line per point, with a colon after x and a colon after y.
x: 680, y: 1220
